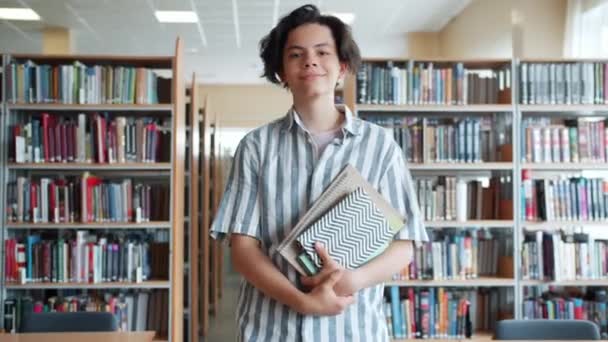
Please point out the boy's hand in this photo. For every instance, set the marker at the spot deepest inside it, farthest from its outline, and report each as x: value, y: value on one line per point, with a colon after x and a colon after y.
x: 348, y: 283
x: 323, y: 300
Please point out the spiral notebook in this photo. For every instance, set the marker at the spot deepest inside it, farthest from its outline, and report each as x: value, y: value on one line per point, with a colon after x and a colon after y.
x: 349, y: 182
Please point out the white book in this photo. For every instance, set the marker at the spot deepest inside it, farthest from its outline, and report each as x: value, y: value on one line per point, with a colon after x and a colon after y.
x: 142, y: 311
x: 20, y: 150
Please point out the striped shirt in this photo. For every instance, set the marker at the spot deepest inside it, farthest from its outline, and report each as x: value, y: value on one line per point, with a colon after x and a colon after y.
x: 275, y: 177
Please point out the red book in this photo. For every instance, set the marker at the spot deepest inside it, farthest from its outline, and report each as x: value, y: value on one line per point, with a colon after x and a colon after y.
x: 45, y: 138
x: 46, y: 252
x: 92, y: 182
x: 52, y: 203
x: 91, y: 258
x: 69, y: 141
x: 528, y: 194
x: 64, y: 141
x: 57, y: 130
x: 51, y: 136
x: 412, y: 298
x: 100, y: 132
x: 74, y: 141
x: 34, y: 202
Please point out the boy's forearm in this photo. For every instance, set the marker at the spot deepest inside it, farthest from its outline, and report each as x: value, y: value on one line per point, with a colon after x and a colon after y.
x: 257, y: 268
x: 380, y: 269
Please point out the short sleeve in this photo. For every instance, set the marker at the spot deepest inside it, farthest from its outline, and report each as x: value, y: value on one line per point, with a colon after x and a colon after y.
x: 239, y: 209
x: 397, y: 187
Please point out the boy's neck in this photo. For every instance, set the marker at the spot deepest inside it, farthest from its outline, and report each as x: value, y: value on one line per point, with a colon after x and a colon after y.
x: 319, y: 114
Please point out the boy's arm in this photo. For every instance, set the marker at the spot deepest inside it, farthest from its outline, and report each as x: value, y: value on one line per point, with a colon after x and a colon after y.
x: 378, y: 270
x: 258, y: 269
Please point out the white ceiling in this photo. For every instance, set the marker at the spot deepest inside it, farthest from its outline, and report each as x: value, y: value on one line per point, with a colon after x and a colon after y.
x: 211, y: 50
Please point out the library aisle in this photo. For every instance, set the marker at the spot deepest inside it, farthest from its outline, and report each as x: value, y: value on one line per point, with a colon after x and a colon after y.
x: 222, y: 326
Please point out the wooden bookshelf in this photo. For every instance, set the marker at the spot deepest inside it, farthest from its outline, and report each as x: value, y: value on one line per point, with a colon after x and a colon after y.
x: 552, y: 225
x: 564, y: 108
x: 92, y: 107
x: 464, y: 109
x: 205, y: 176
x: 103, y: 225
x: 477, y: 336
x: 565, y: 166
x: 573, y: 282
x: 471, y: 224
x: 482, y: 166
x: 91, y: 166
x: 505, y: 110
x: 170, y: 109
x: 152, y: 284
x: 194, y: 225
x: 475, y: 282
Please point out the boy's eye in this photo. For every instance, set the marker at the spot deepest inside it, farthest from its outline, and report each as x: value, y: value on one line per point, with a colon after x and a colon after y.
x: 323, y: 53
x: 294, y: 55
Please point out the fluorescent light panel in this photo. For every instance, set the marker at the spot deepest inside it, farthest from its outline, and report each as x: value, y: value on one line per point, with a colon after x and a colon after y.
x: 176, y: 16
x: 18, y: 14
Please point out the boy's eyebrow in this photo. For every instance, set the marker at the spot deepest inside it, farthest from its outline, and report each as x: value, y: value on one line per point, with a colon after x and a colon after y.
x: 302, y: 48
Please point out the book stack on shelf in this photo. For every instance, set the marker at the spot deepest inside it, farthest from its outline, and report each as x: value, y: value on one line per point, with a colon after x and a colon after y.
x: 92, y: 173
x: 530, y: 166
x: 564, y: 260
x: 454, y: 121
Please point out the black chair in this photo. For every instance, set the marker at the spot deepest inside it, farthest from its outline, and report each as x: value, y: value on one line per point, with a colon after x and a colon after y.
x: 68, y: 322
x: 544, y: 329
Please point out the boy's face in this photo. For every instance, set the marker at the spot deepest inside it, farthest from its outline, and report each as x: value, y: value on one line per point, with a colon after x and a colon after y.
x: 311, y: 66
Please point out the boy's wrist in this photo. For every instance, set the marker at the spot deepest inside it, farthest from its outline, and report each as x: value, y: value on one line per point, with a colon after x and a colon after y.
x: 302, y: 303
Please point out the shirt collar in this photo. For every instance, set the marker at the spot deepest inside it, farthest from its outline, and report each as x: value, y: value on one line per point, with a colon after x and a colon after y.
x: 351, y: 124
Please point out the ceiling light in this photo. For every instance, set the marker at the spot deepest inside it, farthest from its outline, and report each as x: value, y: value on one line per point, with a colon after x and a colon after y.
x: 176, y: 16
x: 347, y: 18
x: 18, y: 14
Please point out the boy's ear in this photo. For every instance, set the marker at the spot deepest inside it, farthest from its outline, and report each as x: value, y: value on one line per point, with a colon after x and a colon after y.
x: 281, y: 78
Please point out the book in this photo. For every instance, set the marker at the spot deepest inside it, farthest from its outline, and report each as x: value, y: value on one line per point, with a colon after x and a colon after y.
x: 354, y: 231
x: 346, y: 182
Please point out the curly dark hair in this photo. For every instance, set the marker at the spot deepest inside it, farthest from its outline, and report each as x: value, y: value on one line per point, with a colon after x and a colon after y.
x: 272, y: 45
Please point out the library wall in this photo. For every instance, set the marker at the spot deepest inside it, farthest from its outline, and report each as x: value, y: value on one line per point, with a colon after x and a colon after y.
x: 246, y: 105
x: 484, y: 29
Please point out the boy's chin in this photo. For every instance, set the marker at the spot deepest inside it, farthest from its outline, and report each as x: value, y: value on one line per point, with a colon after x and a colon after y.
x: 315, y: 92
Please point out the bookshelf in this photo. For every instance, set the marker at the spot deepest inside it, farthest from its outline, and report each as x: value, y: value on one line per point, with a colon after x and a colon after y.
x: 205, y: 187
x: 100, y: 141
x: 562, y: 102
x: 439, y: 113
x: 584, y: 113
x: 193, y: 225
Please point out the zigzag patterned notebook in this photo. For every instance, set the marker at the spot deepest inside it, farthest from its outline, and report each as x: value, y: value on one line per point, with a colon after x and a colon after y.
x: 354, y: 231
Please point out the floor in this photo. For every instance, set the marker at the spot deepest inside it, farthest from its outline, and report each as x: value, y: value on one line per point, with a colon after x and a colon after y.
x: 222, y: 326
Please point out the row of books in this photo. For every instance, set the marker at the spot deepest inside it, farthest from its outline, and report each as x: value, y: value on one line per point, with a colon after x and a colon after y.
x: 564, y: 83
x: 459, y: 254
x: 557, y: 256
x: 133, y: 311
x: 85, y: 258
x: 572, y: 141
x: 98, y: 138
x: 417, y: 83
x: 589, y: 304
x: 433, y: 140
x: 443, y: 313
x: 446, y: 198
x: 574, y: 198
x: 77, y: 83
x: 86, y: 199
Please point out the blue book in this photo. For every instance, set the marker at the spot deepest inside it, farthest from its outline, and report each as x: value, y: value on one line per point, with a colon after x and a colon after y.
x: 396, y: 311
x: 31, y: 241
